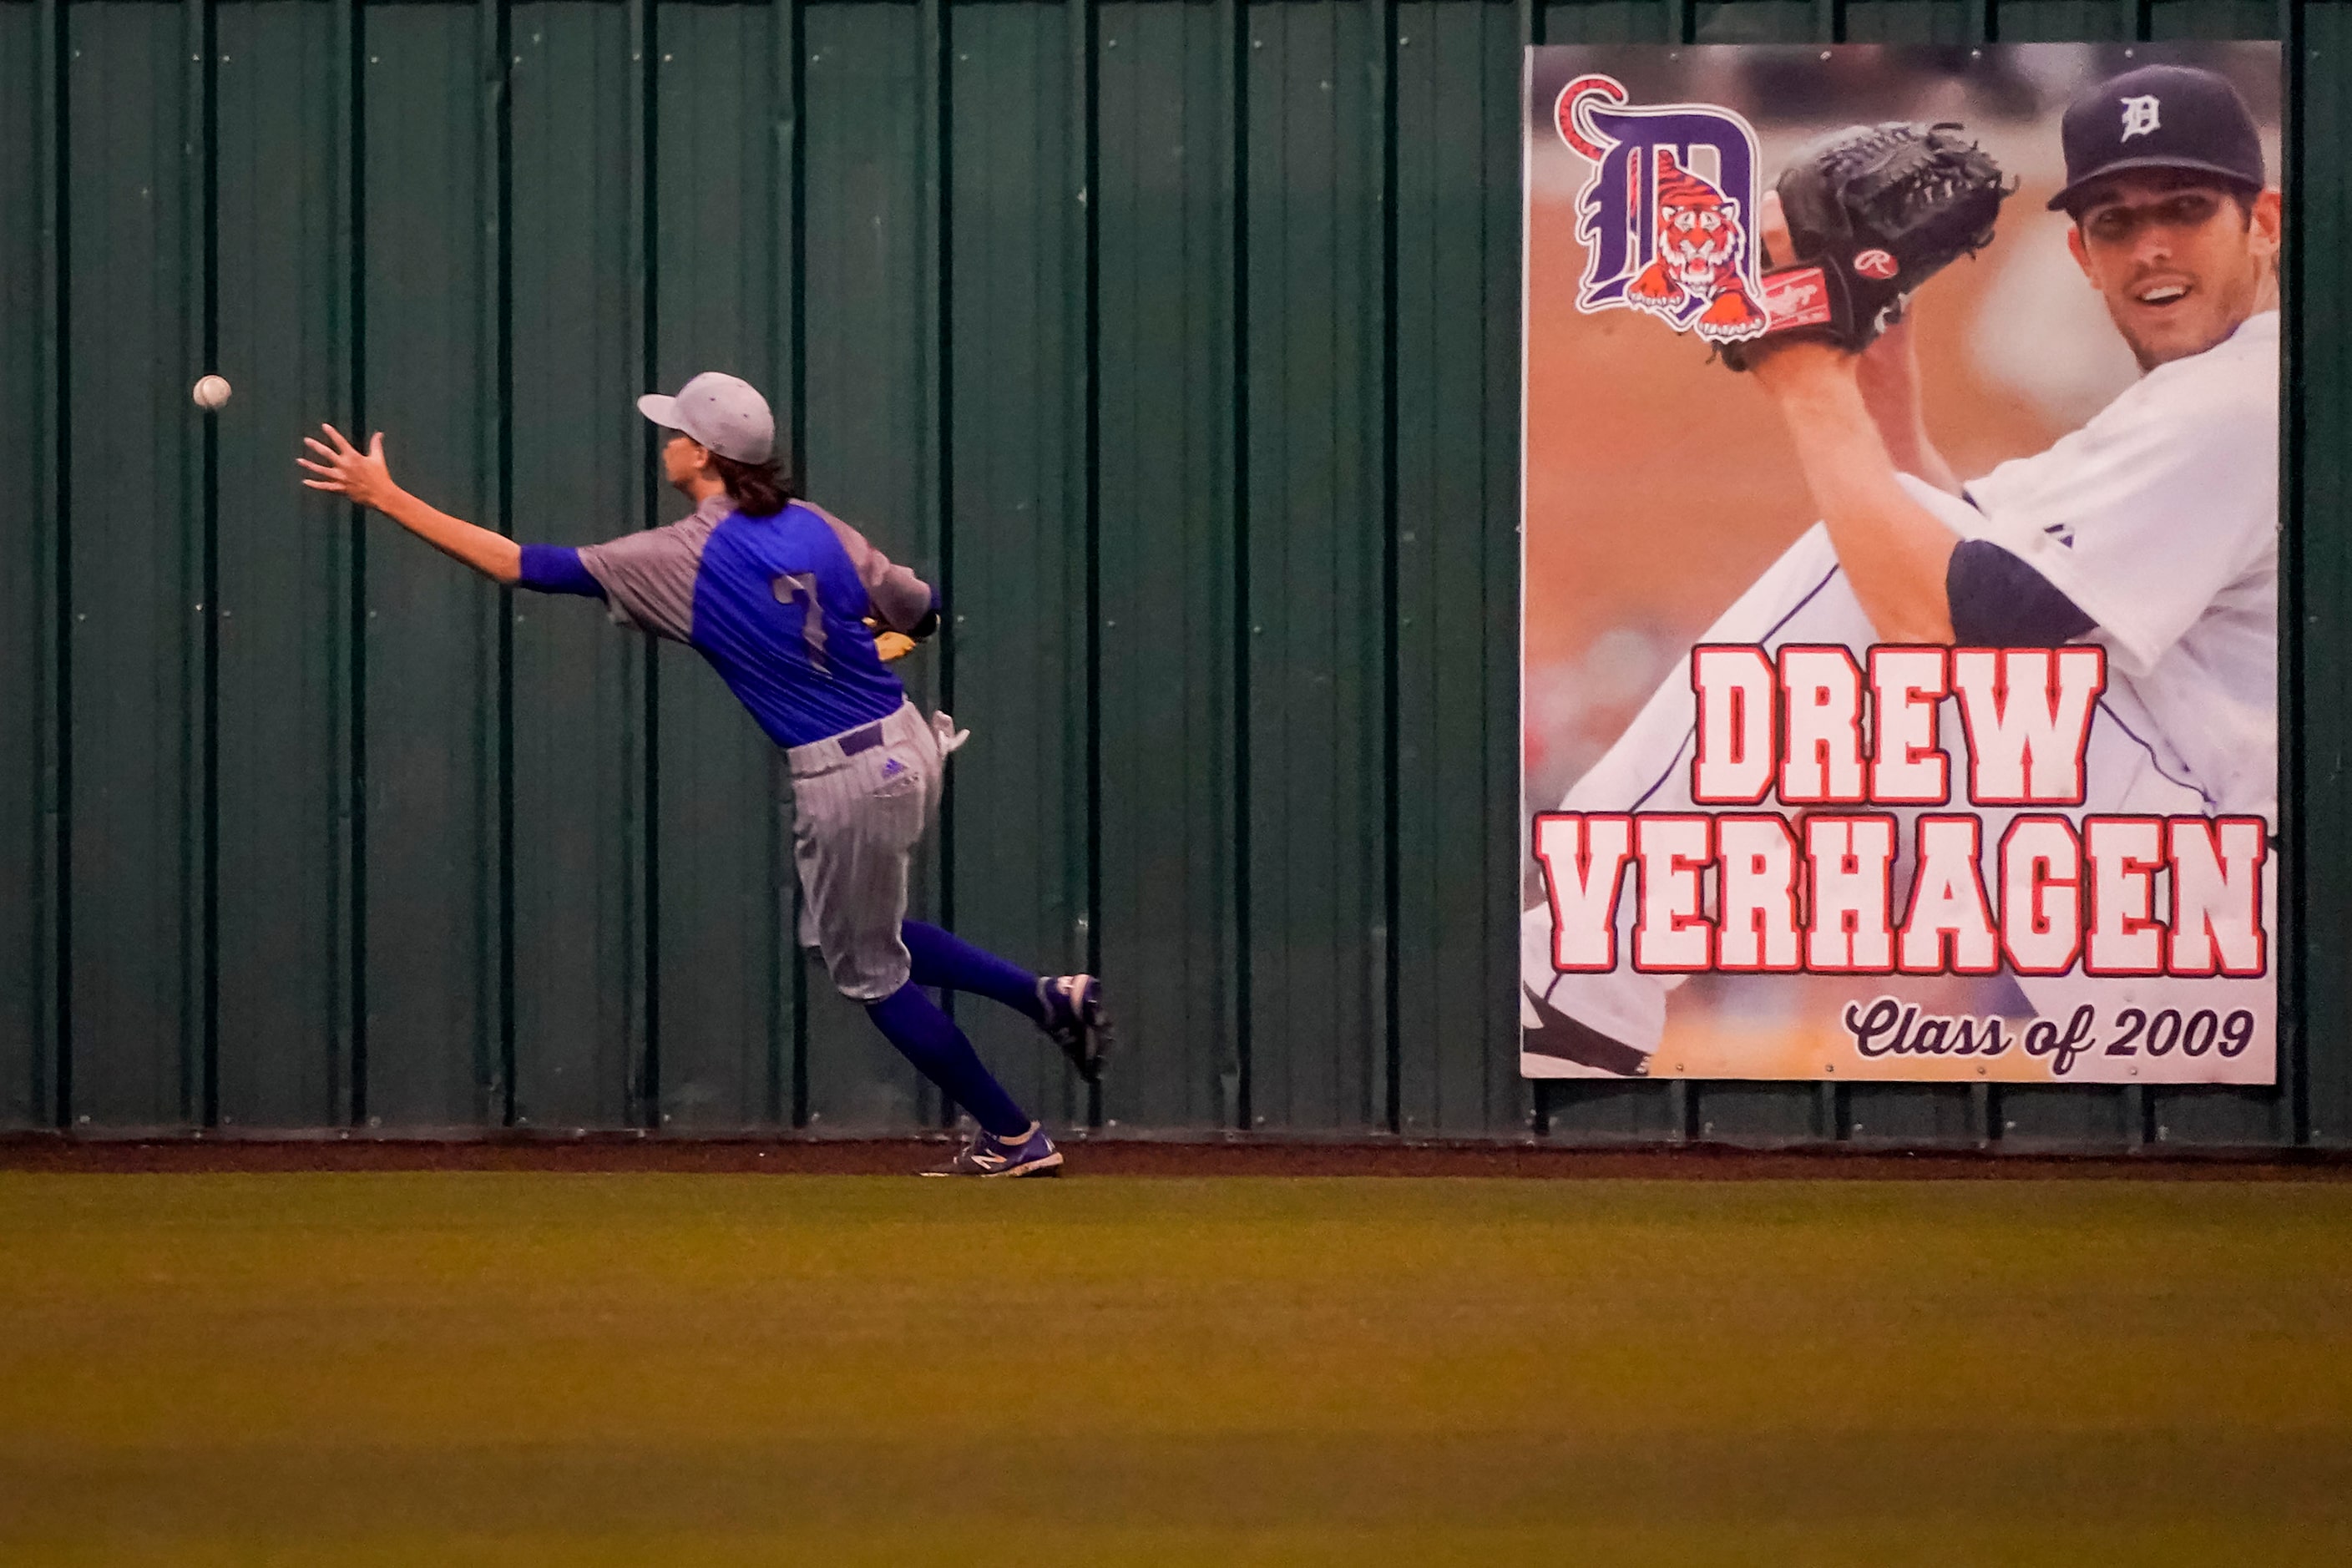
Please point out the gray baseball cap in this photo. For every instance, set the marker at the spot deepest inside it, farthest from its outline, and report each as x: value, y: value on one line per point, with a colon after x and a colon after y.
x: 726, y: 415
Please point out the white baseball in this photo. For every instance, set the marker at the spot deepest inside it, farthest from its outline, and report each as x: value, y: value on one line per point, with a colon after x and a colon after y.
x: 212, y: 391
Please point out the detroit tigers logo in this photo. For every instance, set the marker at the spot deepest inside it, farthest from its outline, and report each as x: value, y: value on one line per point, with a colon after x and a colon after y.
x: 1663, y: 215
x: 2139, y: 117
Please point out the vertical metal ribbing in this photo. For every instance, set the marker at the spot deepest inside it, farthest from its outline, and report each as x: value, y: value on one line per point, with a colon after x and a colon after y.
x: 495, y: 1063
x: 187, y: 184
x: 355, y: 534
x: 2138, y: 1104
x: 207, y: 790
x: 796, y: 48
x: 1530, y: 17
x: 797, y: 44
x: 503, y: 284
x: 1984, y: 1099
x: 2294, y: 1042
x: 333, y: 951
x: 778, y: 1099
x: 1391, y: 867
x: 1682, y: 1109
x: 57, y: 770
x: 1682, y: 1095
x: 936, y: 264
x: 1237, y: 104
x: 1832, y: 1101
x: 644, y: 149
x: 1085, y: 149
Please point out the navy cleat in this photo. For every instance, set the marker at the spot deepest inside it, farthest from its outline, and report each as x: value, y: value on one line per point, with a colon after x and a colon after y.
x: 1031, y: 1154
x: 1076, y: 1020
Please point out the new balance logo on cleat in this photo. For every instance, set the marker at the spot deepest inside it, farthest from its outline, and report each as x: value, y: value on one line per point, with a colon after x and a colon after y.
x: 1031, y: 1154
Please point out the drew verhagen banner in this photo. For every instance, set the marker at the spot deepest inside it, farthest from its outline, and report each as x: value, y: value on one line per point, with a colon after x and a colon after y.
x: 1908, y: 713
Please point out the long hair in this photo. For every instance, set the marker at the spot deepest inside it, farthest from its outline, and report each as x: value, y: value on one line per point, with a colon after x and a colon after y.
x: 761, y: 490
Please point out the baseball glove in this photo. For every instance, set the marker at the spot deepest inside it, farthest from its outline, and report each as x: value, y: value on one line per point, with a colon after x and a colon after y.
x: 1874, y: 211
x: 894, y: 645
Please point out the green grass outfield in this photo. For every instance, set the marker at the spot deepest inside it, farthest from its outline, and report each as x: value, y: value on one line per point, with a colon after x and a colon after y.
x: 520, y: 1368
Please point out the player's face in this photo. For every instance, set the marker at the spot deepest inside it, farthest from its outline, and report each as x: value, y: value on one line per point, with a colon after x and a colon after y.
x: 2180, y: 262
x: 683, y: 458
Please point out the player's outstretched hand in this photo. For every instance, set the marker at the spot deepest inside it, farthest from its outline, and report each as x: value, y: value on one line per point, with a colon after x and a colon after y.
x: 363, y: 476
x: 1776, y: 249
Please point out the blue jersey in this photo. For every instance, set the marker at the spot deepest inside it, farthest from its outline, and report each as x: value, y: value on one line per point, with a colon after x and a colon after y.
x: 777, y: 604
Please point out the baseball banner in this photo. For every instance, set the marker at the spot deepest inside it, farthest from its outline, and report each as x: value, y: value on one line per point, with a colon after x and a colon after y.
x: 1899, y: 645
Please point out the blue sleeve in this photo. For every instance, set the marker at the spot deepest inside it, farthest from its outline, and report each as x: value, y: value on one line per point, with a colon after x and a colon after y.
x: 1999, y: 601
x: 556, y: 569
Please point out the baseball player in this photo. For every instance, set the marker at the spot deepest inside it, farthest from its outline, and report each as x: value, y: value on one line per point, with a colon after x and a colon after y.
x: 777, y: 593
x: 2152, y: 530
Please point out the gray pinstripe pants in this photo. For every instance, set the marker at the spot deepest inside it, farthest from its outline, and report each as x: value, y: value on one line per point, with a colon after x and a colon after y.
x: 861, y: 800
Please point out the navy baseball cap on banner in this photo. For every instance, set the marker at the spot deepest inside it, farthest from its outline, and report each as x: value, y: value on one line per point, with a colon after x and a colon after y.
x: 2160, y: 116
x: 721, y: 411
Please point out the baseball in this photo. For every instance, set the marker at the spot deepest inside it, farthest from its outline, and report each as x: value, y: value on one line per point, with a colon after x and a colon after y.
x: 212, y: 391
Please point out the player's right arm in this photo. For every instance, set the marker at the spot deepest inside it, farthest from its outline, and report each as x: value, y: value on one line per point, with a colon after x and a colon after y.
x: 1887, y: 374
x: 1896, y: 553
x: 1889, y: 377
x: 365, y: 479
x: 901, y: 601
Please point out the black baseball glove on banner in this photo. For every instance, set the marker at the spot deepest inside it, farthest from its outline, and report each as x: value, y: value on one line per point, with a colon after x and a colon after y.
x: 1874, y: 211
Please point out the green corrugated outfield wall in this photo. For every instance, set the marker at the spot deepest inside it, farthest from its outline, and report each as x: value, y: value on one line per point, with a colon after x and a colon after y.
x: 1179, y: 340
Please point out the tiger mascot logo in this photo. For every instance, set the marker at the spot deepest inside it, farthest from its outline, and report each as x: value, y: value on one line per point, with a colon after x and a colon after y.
x: 1699, y: 257
x: 1661, y: 235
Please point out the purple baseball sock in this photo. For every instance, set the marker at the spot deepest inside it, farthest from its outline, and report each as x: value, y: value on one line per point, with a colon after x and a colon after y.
x: 945, y: 959
x: 929, y: 1038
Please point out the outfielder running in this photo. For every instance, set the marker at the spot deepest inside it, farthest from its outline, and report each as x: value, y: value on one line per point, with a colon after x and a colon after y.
x: 777, y: 593
x: 2152, y: 530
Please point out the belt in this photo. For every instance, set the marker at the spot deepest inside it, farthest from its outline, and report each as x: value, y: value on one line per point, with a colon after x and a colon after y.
x: 815, y: 757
